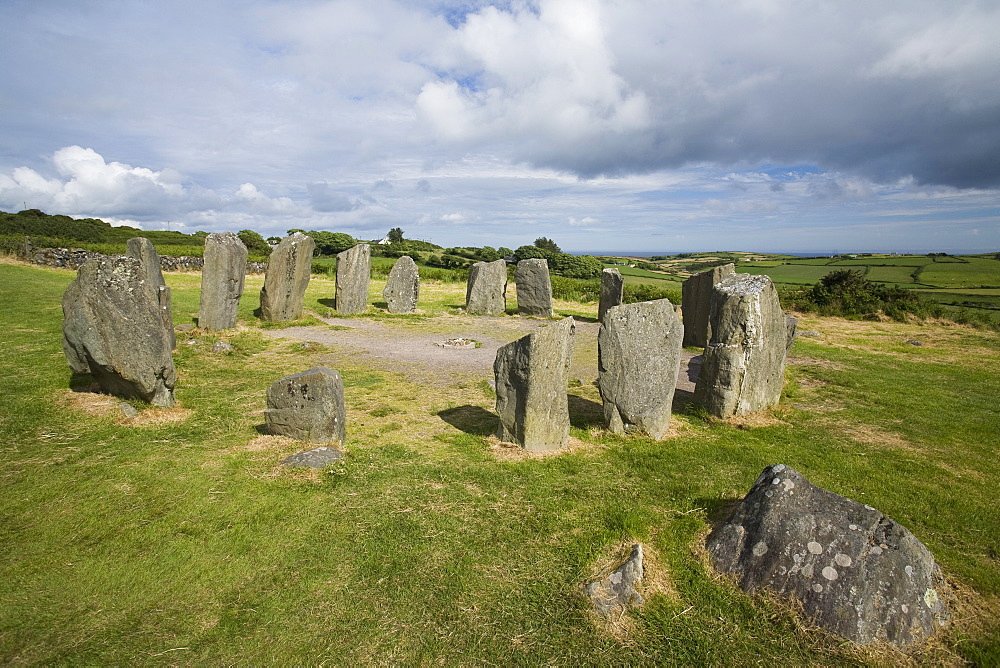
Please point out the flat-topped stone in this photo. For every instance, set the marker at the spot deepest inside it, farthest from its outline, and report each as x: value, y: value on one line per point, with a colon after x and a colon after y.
x: 534, y: 288
x: 222, y: 281
x: 287, y: 277
x: 485, y: 293
x: 354, y: 268
x: 696, y: 304
x: 308, y: 406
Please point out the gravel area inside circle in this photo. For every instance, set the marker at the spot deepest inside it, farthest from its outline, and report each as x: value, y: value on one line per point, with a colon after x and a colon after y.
x: 414, y: 348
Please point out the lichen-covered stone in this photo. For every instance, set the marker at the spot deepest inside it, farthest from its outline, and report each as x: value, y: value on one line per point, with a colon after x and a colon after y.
x: 287, y: 277
x: 612, y: 291
x: 614, y: 594
x: 486, y: 291
x: 142, y: 249
x: 354, y: 270
x: 532, y: 377
x: 743, y: 367
x: 534, y: 288
x: 402, y: 288
x: 856, y: 572
x: 317, y: 458
x: 639, y: 353
x: 222, y: 279
x: 308, y: 406
x: 696, y: 304
x: 113, y: 330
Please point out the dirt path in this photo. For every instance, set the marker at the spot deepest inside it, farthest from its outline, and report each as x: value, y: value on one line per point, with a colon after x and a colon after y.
x: 415, y: 349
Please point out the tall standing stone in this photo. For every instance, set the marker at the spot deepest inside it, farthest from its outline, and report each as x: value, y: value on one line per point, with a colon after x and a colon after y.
x: 222, y: 279
x: 696, y: 302
x: 286, y: 279
x: 532, y: 376
x: 639, y: 353
x: 308, y: 406
x: 486, y: 292
x: 855, y: 572
x: 142, y: 249
x: 612, y: 291
x: 534, y: 288
x: 113, y: 330
x: 402, y: 288
x: 743, y: 367
x: 354, y: 270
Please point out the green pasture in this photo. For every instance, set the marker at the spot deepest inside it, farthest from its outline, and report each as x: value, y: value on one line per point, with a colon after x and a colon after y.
x: 799, y: 274
x: 178, y: 538
x: 974, y: 273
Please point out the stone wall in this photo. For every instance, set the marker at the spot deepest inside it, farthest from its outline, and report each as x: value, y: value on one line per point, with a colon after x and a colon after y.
x: 72, y: 258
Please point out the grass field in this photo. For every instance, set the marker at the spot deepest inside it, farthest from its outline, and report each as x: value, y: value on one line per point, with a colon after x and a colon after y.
x: 177, y: 538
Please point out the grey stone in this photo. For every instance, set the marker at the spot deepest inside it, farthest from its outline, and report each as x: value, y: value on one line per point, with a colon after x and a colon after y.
x: 743, y: 369
x: 809, y: 333
x: 128, y: 410
x: 639, y: 352
x: 486, y: 292
x: 287, y: 278
x: 184, y: 327
x: 222, y: 277
x: 915, y: 342
x: 791, y: 328
x: 402, y: 288
x: 696, y: 304
x: 857, y: 573
x: 532, y: 377
x: 142, y: 249
x: 113, y: 330
x: 534, y: 288
x: 354, y: 270
x: 222, y: 347
x: 317, y: 458
x: 614, y: 594
x: 612, y: 291
x: 308, y: 406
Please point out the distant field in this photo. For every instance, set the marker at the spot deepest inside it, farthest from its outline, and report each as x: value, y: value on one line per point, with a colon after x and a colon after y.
x: 976, y: 273
x: 788, y: 273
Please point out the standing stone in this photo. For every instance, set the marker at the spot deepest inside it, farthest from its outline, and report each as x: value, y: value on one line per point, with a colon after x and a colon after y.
x: 221, y: 281
x: 532, y: 376
x: 286, y: 279
x: 534, y: 289
x: 639, y: 353
x: 402, y: 289
x: 696, y: 303
x: 743, y: 367
x: 113, y: 330
x: 142, y: 249
x: 486, y: 291
x: 855, y: 571
x: 308, y: 406
x: 354, y: 269
x: 791, y: 331
x: 612, y: 291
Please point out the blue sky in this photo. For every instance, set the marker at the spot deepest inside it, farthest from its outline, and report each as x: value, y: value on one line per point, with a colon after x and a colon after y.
x: 783, y: 125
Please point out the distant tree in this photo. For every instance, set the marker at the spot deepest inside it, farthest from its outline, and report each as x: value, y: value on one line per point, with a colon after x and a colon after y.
x: 253, y: 241
x: 547, y: 244
x: 530, y: 252
x: 395, y: 235
x: 294, y: 230
x: 506, y: 252
x: 274, y: 240
x: 331, y: 243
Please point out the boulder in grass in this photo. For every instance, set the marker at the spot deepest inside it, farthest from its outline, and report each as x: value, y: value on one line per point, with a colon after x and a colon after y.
x: 354, y: 269
x: 486, y: 291
x: 856, y: 572
x: 113, y: 330
x: 308, y: 406
x: 288, y: 270
x: 402, y: 288
x: 639, y: 352
x: 615, y: 593
x: 532, y: 377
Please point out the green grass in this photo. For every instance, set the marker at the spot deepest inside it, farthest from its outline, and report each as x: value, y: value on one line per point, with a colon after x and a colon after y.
x: 180, y: 539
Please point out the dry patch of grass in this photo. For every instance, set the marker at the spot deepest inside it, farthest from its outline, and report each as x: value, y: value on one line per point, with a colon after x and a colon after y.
x: 104, y: 405
x: 511, y: 452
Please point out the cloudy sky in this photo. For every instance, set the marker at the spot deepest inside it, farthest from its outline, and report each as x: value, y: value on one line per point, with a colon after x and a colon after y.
x: 657, y: 125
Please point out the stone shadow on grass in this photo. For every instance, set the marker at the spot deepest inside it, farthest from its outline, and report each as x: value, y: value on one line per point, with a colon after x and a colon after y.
x: 473, y: 420
x: 584, y: 413
x: 329, y: 302
x: 717, y: 509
